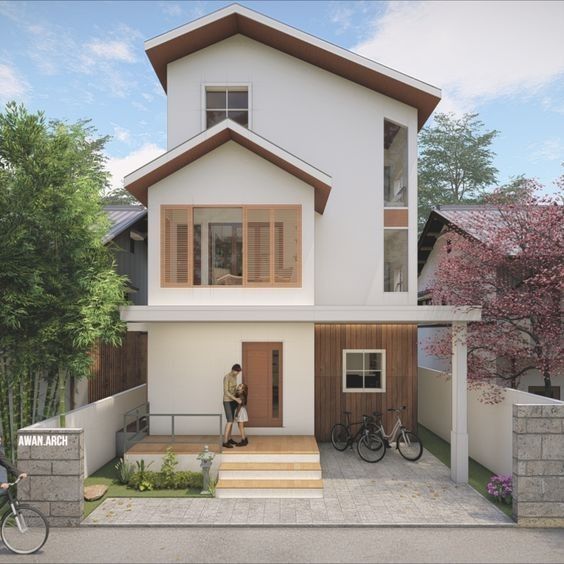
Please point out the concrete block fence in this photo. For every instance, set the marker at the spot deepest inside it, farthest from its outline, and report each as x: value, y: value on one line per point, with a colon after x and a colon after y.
x: 54, y: 461
x: 538, y: 465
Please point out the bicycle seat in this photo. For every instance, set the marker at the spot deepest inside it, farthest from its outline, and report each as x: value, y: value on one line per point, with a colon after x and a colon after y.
x: 347, y: 412
x: 376, y: 414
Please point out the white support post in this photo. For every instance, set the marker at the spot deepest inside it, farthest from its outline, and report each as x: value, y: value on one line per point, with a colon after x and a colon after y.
x: 459, y: 432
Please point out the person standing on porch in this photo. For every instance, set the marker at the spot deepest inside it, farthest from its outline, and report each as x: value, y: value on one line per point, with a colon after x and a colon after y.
x: 241, y: 415
x: 230, y: 403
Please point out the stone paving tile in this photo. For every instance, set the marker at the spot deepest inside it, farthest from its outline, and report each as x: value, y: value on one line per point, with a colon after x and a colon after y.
x: 393, y: 491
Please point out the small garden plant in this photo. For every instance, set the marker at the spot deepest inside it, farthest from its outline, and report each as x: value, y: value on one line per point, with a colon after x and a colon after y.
x: 168, y: 478
x: 501, y: 488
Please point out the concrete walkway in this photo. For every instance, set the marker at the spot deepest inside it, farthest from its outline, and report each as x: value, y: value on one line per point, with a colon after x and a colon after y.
x: 391, y: 492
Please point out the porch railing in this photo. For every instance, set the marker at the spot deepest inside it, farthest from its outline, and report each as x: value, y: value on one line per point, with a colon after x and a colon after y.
x: 139, y: 420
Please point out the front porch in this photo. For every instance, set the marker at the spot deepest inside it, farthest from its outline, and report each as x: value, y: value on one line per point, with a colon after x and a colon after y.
x: 280, y: 466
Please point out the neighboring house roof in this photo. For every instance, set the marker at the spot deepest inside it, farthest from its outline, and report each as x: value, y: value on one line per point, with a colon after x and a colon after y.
x: 235, y: 19
x: 471, y: 219
x: 139, y: 181
x: 122, y: 217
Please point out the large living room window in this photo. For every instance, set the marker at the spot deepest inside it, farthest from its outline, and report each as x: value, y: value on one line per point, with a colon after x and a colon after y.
x: 224, y: 102
x: 251, y: 246
x: 364, y: 370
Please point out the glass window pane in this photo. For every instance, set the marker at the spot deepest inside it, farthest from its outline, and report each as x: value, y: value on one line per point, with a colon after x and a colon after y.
x: 216, y: 100
x: 214, y: 117
x: 354, y: 361
x: 372, y: 361
x: 354, y: 380
x: 218, y: 246
x: 275, y: 383
x: 395, y: 165
x: 395, y: 260
x: 373, y: 380
x: 241, y: 117
x: 238, y: 99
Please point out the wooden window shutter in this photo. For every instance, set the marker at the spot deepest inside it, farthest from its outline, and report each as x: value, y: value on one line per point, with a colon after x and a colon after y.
x: 287, y: 245
x: 258, y: 243
x: 176, y: 235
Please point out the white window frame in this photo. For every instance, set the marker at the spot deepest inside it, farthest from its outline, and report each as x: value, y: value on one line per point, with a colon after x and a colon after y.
x: 382, y: 389
x: 207, y: 85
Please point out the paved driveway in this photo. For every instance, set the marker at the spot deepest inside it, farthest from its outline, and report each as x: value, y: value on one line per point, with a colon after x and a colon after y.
x: 391, y: 492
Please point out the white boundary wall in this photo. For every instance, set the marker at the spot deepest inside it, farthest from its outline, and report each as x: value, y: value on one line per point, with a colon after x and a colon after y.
x: 100, y: 421
x: 490, y: 431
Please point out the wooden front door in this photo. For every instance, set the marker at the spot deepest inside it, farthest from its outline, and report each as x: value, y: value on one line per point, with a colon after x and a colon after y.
x: 262, y: 372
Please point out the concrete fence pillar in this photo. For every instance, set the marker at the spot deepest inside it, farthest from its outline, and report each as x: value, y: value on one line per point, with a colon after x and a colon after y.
x: 54, y: 462
x: 538, y: 465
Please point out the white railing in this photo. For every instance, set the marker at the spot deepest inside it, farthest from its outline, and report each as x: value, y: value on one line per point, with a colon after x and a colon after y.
x: 490, y: 426
x: 100, y: 421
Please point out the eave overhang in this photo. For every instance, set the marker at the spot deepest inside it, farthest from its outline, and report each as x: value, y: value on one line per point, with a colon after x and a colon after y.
x: 235, y: 19
x: 138, y: 182
x: 427, y: 315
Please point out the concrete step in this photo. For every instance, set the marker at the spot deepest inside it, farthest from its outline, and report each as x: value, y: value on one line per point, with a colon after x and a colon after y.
x: 269, y: 488
x: 236, y: 455
x: 270, y: 471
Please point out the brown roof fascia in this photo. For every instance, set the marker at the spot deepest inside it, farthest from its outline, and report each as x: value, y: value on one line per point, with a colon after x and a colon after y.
x: 232, y: 24
x: 139, y: 187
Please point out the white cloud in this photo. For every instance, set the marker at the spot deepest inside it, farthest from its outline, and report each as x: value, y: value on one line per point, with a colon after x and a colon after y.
x: 118, y: 167
x: 171, y: 8
x: 111, y: 50
x: 122, y: 134
x: 474, y: 51
x: 12, y: 85
x: 549, y: 150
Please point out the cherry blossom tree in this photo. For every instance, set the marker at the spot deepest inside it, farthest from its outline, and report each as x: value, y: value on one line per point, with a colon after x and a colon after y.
x: 509, y: 258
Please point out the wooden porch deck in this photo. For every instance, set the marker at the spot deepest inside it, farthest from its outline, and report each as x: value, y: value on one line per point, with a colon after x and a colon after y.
x: 258, y: 444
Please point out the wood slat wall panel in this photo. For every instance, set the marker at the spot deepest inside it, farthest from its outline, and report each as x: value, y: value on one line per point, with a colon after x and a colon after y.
x: 400, y: 343
x: 116, y: 369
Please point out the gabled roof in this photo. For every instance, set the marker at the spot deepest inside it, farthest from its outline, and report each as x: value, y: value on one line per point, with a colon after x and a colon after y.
x: 470, y: 219
x: 121, y: 217
x: 138, y: 182
x: 235, y: 19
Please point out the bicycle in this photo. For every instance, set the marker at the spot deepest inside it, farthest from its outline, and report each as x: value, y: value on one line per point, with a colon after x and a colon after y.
x: 369, y: 444
x: 23, y: 529
x: 407, y: 442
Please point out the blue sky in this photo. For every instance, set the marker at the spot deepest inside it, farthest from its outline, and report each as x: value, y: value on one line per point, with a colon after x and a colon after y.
x: 505, y: 60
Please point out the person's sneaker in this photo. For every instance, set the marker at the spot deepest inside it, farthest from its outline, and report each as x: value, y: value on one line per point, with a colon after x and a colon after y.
x: 232, y: 442
x: 227, y: 445
x: 244, y: 442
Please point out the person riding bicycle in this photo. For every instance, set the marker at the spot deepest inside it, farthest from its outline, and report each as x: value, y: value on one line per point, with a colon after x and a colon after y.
x: 5, y: 463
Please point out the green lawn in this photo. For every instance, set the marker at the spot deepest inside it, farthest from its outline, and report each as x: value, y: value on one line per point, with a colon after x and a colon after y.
x: 478, y: 475
x: 107, y: 475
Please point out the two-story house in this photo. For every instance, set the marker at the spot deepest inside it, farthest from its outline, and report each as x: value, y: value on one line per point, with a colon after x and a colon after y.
x: 282, y: 230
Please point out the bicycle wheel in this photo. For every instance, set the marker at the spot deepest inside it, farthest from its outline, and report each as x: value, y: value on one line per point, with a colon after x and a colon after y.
x: 340, y: 436
x: 371, y: 448
x: 26, y: 532
x: 410, y: 445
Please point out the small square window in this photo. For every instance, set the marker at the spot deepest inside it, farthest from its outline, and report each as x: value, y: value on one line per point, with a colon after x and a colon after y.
x: 227, y: 102
x: 364, y: 370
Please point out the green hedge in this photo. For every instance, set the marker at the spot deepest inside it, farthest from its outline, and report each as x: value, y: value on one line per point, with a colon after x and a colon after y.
x: 180, y: 480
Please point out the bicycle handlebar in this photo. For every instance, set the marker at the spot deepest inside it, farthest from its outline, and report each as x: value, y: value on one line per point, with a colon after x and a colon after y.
x: 397, y: 408
x: 10, y: 484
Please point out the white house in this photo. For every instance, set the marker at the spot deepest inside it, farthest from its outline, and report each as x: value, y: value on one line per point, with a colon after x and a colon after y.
x: 282, y: 229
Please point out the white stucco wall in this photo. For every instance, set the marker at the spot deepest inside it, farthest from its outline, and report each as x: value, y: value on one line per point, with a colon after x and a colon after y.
x: 187, y: 362
x: 232, y: 175
x: 100, y: 421
x: 331, y: 123
x: 490, y: 437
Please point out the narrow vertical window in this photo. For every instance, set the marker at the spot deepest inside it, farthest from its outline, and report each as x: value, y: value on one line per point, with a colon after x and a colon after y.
x: 395, y: 165
x: 395, y: 260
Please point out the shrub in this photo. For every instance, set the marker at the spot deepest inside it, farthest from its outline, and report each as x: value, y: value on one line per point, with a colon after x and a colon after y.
x: 124, y: 470
x: 501, y: 488
x: 181, y: 480
x: 142, y: 481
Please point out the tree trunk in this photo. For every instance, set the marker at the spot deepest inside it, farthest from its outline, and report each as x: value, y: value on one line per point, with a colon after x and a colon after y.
x: 547, y: 382
x: 62, y: 397
x: 50, y: 393
x: 5, y: 409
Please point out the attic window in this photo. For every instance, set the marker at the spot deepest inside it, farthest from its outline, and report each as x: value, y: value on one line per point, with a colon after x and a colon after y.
x: 224, y: 102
